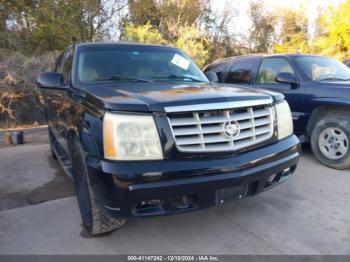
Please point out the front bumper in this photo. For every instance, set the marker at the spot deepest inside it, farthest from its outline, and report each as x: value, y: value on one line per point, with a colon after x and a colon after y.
x: 140, y: 189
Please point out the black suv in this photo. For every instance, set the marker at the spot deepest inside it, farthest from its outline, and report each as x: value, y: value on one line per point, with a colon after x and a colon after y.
x: 317, y: 89
x: 142, y: 132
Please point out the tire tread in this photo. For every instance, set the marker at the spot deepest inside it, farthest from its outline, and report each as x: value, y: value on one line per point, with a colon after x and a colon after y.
x: 101, y: 222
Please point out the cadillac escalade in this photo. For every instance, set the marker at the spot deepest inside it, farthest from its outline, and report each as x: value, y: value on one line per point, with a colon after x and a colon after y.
x: 143, y: 132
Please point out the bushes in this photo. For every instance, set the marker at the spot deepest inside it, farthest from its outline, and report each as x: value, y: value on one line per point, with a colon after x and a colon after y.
x: 19, y: 97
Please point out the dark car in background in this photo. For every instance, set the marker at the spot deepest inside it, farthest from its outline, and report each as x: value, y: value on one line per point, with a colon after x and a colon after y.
x: 142, y: 132
x: 317, y: 89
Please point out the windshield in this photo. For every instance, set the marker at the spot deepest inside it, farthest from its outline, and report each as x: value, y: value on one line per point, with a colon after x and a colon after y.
x: 323, y: 68
x: 135, y: 63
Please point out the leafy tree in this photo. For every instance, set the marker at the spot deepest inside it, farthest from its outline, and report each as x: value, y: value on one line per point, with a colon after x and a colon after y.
x: 293, y: 32
x: 191, y: 40
x: 16, y: 23
x: 194, y: 43
x: 57, y: 23
x: 143, y: 12
x: 42, y: 25
x: 334, y: 32
x: 176, y: 14
x: 168, y: 16
x: 143, y: 34
x: 175, y: 23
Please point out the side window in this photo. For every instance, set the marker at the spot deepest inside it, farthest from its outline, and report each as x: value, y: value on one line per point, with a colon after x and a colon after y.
x: 64, y: 65
x: 219, y: 69
x: 67, y: 67
x: 241, y: 72
x: 270, y: 68
x: 59, y: 64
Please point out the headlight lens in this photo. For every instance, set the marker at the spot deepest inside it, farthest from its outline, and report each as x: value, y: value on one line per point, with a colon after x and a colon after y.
x: 130, y: 137
x: 284, y: 120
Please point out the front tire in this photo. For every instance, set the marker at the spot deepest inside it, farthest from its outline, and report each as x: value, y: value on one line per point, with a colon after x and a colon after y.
x: 330, y: 140
x: 94, y: 220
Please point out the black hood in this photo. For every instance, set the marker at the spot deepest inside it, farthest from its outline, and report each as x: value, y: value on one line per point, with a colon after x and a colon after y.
x: 154, y: 97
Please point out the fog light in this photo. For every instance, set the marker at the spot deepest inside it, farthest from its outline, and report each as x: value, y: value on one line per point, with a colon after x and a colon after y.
x: 287, y: 170
x: 151, y: 203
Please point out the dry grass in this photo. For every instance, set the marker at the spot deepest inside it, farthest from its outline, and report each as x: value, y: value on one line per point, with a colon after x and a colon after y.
x: 18, y: 92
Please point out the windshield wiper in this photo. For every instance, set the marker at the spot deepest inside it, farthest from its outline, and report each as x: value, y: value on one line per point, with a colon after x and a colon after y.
x: 333, y: 79
x: 182, y: 77
x: 120, y: 78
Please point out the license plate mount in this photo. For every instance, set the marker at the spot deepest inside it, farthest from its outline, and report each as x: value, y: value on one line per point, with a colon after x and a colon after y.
x: 229, y: 194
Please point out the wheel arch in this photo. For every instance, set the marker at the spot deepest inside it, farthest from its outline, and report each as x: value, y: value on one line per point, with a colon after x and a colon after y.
x: 324, y: 110
x: 85, y: 138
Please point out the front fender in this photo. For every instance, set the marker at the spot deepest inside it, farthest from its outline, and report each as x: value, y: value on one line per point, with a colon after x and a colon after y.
x: 324, y: 105
x: 91, y: 135
x: 331, y: 101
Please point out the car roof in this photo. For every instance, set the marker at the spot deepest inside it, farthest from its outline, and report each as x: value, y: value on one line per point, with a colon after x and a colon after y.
x: 120, y: 43
x: 259, y: 55
x: 272, y: 55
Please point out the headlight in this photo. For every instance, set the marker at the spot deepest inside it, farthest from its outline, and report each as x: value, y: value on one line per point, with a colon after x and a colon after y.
x: 284, y: 120
x: 130, y: 137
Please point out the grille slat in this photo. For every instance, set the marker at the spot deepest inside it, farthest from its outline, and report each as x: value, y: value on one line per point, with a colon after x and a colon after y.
x: 204, y: 131
x: 213, y: 120
x: 261, y: 122
x: 189, y: 141
x: 261, y: 113
x: 197, y: 131
x: 186, y: 131
x: 215, y: 139
x: 260, y: 131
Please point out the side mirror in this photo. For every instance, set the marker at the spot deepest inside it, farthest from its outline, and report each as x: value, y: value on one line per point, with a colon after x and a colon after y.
x: 50, y: 80
x: 212, y: 77
x: 287, y: 78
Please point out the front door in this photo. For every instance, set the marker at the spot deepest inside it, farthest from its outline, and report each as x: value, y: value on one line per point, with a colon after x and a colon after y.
x: 60, y: 102
x: 266, y: 78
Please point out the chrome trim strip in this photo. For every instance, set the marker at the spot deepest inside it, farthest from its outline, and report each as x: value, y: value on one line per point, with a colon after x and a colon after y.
x: 217, y: 106
x: 112, y: 208
x: 297, y: 115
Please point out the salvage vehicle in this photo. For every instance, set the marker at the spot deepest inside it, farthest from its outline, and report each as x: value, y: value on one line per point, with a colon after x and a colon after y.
x: 142, y: 132
x: 317, y: 89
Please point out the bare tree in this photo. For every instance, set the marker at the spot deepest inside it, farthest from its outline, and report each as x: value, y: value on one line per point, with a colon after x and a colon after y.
x: 262, y: 32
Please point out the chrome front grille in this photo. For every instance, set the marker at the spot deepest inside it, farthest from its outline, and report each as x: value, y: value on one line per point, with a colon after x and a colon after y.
x: 204, y: 131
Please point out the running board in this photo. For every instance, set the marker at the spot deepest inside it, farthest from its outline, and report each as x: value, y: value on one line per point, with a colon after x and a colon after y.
x: 63, y: 159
